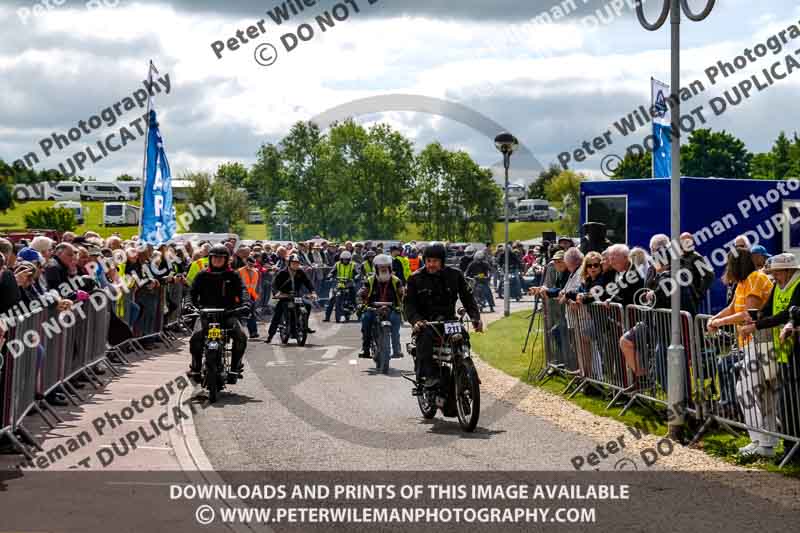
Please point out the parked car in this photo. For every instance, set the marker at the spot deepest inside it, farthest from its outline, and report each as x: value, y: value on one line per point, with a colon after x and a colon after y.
x: 103, y: 190
x: 120, y: 214
x: 75, y: 207
x: 255, y: 216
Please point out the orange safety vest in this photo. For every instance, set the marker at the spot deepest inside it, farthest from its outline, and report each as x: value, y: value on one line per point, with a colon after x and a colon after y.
x: 250, y: 283
x: 414, y: 264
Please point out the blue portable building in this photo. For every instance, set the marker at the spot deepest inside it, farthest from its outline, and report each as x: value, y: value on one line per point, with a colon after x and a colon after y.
x: 714, y: 210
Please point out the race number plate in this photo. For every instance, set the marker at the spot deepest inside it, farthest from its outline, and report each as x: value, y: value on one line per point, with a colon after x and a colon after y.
x: 298, y: 300
x: 451, y: 328
x: 214, y: 333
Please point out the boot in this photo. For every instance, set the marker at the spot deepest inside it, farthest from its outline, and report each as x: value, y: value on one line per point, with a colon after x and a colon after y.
x: 364, y: 353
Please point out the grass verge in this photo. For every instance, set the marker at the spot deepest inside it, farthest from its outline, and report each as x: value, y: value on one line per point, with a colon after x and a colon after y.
x: 501, y: 347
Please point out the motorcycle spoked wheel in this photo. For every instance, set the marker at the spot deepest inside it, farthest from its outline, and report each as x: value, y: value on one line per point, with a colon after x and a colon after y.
x: 212, y: 383
x: 284, y: 327
x: 468, y: 395
x: 302, y: 326
x: 427, y: 404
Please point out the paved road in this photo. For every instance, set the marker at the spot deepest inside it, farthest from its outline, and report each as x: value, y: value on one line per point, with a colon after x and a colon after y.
x: 321, y: 408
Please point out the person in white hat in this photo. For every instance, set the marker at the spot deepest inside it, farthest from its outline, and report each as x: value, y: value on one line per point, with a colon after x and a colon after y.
x: 761, y: 409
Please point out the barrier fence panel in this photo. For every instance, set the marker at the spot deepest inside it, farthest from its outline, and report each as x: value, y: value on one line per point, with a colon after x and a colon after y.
x: 53, y: 350
x: 748, y: 381
x: 23, y: 350
x: 602, y: 327
x: 559, y: 349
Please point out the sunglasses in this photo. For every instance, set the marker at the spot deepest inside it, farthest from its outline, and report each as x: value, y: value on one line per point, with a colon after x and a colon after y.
x: 593, y: 265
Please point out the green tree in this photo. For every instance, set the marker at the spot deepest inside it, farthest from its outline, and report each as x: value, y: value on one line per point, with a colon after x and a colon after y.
x: 235, y: 174
x: 635, y: 166
x: 58, y: 219
x: 536, y: 189
x: 125, y: 177
x: 717, y: 154
x: 762, y: 166
x: 230, y: 204
x: 6, y: 194
x: 781, y: 156
x: 565, y: 190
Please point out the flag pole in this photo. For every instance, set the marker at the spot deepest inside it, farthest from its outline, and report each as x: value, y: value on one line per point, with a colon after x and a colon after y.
x: 144, y: 158
x: 653, y: 153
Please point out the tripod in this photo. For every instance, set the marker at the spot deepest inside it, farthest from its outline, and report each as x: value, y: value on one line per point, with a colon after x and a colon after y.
x: 534, y: 314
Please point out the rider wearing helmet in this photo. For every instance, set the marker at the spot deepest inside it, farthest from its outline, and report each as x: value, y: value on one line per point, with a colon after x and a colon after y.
x: 466, y: 259
x: 481, y: 270
x: 288, y: 280
x: 344, y: 270
x: 382, y: 286
x: 431, y: 296
x: 366, y: 269
x: 220, y: 287
x: 399, y: 263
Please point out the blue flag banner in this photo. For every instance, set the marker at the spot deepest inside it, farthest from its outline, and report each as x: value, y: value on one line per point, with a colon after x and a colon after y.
x: 158, y: 215
x: 662, y: 130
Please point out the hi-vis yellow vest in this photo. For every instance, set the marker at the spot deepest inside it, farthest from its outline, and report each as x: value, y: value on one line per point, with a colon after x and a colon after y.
x: 780, y: 301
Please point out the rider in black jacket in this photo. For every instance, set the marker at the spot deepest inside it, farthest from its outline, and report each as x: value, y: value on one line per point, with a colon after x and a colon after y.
x: 218, y: 287
x: 288, y: 280
x: 431, y: 295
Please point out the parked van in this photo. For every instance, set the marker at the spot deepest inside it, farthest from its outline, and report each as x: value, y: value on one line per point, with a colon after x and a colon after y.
x: 63, y: 190
x: 120, y: 214
x: 533, y: 210
x: 132, y: 188
x: 103, y: 190
x: 75, y: 207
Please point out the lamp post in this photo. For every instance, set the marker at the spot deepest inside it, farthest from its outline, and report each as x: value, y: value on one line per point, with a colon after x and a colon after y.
x: 676, y: 355
x: 506, y: 144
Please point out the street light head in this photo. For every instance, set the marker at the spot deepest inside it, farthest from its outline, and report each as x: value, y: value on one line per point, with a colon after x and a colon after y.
x: 506, y: 143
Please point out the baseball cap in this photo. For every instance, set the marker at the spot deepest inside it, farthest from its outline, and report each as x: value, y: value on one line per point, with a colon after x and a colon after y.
x: 30, y: 255
x: 760, y: 250
x: 558, y: 256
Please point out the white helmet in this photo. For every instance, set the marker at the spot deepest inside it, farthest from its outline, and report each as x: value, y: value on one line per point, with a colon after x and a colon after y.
x: 469, y: 250
x: 480, y: 256
x: 346, y: 256
x: 382, y: 260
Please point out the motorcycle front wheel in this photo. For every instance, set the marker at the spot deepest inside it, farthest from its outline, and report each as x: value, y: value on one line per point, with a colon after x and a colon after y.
x: 302, y: 326
x: 284, y: 328
x: 212, y: 376
x: 468, y: 395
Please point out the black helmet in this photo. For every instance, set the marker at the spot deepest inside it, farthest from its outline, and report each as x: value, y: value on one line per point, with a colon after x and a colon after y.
x: 219, y: 250
x: 370, y: 255
x: 435, y: 250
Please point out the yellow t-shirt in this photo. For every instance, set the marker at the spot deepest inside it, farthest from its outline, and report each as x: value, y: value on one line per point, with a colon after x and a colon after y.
x: 757, y: 284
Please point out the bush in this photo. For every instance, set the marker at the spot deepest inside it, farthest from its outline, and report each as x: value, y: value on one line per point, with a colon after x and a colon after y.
x: 60, y: 219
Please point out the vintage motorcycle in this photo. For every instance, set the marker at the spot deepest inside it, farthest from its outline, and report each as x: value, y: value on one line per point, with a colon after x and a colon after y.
x: 345, y: 304
x: 458, y: 392
x: 294, y: 322
x: 381, y: 335
x: 216, y: 371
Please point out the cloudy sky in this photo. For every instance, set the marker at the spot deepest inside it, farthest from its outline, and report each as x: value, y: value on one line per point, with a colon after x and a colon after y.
x: 553, y: 85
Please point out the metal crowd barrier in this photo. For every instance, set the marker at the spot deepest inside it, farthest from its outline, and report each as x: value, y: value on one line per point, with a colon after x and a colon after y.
x: 48, y: 349
x: 748, y: 382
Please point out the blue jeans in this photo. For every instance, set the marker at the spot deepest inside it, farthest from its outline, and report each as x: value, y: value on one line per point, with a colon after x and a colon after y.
x: 366, y: 329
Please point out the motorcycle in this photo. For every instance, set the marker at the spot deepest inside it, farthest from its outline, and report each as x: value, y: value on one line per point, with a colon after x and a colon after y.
x: 480, y: 288
x: 381, y: 335
x: 294, y: 322
x: 345, y: 305
x: 458, y: 392
x: 216, y: 371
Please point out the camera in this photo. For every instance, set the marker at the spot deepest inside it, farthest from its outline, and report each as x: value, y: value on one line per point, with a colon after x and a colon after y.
x: 794, y: 315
